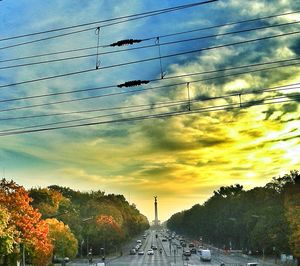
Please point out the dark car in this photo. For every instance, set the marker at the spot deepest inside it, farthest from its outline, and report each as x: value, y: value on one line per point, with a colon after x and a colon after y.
x: 193, y: 250
x: 132, y: 251
x: 187, y: 253
x: 191, y: 245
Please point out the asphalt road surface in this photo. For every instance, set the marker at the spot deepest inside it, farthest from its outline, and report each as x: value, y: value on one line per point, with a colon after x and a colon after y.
x: 171, y: 256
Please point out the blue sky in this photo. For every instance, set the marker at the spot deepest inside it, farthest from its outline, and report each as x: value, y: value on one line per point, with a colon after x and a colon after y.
x: 181, y: 159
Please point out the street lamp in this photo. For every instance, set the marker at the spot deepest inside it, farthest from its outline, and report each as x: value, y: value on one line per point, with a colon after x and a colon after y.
x: 103, y: 253
x: 175, y: 256
x: 230, y: 242
x: 87, y: 236
x: 259, y: 217
x: 90, y: 255
x: 81, y: 246
x: 23, y: 255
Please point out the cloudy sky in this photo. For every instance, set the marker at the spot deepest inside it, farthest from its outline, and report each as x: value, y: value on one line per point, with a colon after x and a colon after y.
x: 226, y: 113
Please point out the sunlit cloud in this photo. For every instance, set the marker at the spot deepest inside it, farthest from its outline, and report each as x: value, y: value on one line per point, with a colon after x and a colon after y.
x: 181, y: 159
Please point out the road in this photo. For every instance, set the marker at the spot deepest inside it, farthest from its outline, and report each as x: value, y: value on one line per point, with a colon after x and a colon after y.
x: 171, y: 256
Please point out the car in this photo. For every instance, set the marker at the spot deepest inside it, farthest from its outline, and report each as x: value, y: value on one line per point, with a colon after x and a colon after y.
x: 200, y: 249
x: 154, y: 247
x: 187, y: 253
x: 205, y: 255
x: 191, y: 245
x: 183, y: 244
x: 141, y: 252
x: 150, y: 252
x: 193, y: 250
x: 59, y: 260
x: 164, y: 240
x: 139, y: 241
x: 132, y: 251
x: 252, y: 264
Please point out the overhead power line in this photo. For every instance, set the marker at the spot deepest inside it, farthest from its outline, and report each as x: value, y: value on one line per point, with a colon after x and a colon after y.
x: 117, y: 20
x: 149, y: 59
x: 143, y: 47
x: 160, y: 36
x: 226, y: 107
x: 166, y: 78
x: 152, y: 106
x: 149, y: 108
x: 145, y: 89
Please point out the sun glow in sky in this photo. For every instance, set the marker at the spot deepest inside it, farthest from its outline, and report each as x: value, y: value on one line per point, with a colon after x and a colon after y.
x: 182, y: 159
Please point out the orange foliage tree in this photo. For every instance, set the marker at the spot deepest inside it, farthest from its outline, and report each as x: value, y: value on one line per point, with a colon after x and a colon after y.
x: 47, y: 201
x: 33, y: 232
x: 108, y: 229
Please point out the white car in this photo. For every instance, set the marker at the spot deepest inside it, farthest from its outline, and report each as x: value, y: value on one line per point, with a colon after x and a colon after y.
x: 141, y: 252
x: 150, y: 252
x: 205, y: 255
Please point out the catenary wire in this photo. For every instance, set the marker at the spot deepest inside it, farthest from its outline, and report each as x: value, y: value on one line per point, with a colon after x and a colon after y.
x: 143, y: 47
x: 141, y: 110
x: 272, y: 89
x: 166, y: 78
x: 149, y: 59
x: 161, y: 36
x: 135, y: 91
x: 105, y: 25
x: 162, y: 115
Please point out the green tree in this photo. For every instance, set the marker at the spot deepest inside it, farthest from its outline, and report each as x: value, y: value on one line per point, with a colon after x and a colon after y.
x: 64, y: 241
x: 8, y: 233
x: 292, y: 208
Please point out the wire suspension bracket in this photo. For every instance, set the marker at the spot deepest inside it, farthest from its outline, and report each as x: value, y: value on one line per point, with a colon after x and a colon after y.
x: 189, y: 99
x: 162, y: 74
x: 98, y: 62
x: 240, y: 98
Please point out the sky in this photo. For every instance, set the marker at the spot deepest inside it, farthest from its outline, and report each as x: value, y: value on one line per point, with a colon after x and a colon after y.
x: 221, y: 115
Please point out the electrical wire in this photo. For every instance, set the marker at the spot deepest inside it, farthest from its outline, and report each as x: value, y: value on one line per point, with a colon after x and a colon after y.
x: 138, y: 90
x: 254, y: 91
x: 160, y: 36
x: 100, y: 116
x: 155, y: 116
x: 149, y: 59
x: 135, y: 111
x: 153, y: 106
x: 153, y: 80
x: 143, y: 47
x: 134, y: 17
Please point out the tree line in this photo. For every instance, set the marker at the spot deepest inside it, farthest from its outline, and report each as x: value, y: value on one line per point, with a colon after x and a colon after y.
x: 58, y: 222
x: 261, y: 220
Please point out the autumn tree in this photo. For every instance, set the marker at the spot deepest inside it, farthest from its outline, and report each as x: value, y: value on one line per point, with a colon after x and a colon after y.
x: 47, y: 201
x: 64, y: 242
x: 8, y: 233
x: 80, y: 210
x: 31, y: 230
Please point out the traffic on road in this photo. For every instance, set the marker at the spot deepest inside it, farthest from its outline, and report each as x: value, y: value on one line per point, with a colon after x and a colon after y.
x: 162, y: 248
